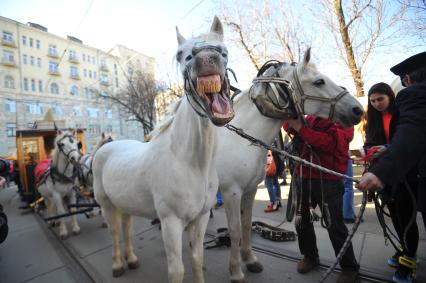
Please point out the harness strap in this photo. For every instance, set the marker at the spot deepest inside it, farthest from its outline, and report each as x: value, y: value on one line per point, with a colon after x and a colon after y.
x: 407, y: 262
x: 273, y: 233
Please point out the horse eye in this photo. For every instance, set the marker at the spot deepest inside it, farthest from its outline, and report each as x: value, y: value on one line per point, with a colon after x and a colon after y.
x: 319, y: 82
x: 179, y: 56
x: 189, y: 57
x: 61, y: 144
x: 224, y: 55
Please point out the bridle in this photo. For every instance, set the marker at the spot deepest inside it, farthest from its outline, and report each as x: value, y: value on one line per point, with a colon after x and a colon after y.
x: 191, y: 92
x: 297, y: 98
x: 60, y: 176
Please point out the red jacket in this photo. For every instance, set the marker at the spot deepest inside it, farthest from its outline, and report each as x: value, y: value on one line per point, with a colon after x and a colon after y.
x: 330, y: 144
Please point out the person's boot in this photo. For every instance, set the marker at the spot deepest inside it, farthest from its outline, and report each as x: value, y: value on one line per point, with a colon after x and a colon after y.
x: 348, y: 276
x: 307, y: 264
x: 405, y: 271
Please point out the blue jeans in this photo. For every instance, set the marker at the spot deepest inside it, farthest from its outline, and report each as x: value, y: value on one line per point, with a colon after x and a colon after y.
x: 274, y: 190
x: 219, y: 198
x: 348, y: 196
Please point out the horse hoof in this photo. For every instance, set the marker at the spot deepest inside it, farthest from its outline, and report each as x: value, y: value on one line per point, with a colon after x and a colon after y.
x: 242, y: 280
x: 133, y: 265
x: 255, y: 267
x: 63, y: 237
x: 118, y: 272
x: 104, y: 225
x: 76, y: 232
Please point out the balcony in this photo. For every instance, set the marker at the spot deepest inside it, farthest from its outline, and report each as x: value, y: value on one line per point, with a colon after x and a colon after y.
x: 73, y: 60
x: 53, y: 54
x: 75, y: 76
x: 8, y: 62
x: 104, y: 68
x: 8, y: 42
x: 104, y: 83
x: 54, y: 73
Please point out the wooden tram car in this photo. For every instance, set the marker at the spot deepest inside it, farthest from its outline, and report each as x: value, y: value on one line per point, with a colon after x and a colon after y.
x: 33, y: 145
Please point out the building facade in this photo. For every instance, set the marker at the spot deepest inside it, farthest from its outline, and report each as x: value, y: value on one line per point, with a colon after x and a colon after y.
x: 41, y: 71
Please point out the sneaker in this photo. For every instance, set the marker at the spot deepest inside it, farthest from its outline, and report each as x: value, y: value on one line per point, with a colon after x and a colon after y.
x: 218, y: 205
x: 307, y: 264
x: 348, y: 276
x: 271, y: 207
x: 403, y: 274
x: 393, y: 260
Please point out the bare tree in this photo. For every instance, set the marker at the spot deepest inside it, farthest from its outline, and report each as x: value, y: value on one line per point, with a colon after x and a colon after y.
x: 416, y: 21
x: 359, y: 27
x: 137, y: 100
x: 266, y: 30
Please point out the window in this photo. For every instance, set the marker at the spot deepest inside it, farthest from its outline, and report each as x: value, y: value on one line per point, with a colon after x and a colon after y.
x: 92, y: 112
x: 24, y: 40
x: 90, y: 74
x: 84, y: 57
x: 33, y: 85
x: 116, y: 82
x: 130, y: 71
x: 10, y: 106
x: 85, y: 73
x: 94, y: 74
x: 73, y: 55
x: 38, y: 44
x: 56, y: 109
x: 11, y: 129
x: 40, y: 86
x: 75, y: 91
x: 25, y: 59
x: 7, y: 36
x: 54, y: 88
x: 108, y: 129
x: 108, y: 113
x: 104, y: 78
x: 8, y: 56
x: 73, y: 71
x: 9, y: 82
x: 25, y: 84
x: 76, y: 111
x: 33, y: 107
x: 39, y: 62
x: 93, y: 60
x: 88, y: 92
x: 53, y: 67
x: 52, y: 50
x: 95, y: 129
x: 32, y: 60
x: 115, y: 69
x: 88, y: 58
x: 31, y: 42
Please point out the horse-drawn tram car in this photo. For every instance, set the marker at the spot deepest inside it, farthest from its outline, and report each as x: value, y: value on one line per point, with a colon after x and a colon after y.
x: 35, y: 145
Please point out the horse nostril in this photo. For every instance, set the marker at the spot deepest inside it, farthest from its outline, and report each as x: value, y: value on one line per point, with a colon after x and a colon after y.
x: 357, y: 111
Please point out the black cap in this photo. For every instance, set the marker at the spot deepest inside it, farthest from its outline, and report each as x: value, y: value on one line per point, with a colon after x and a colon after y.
x: 410, y: 64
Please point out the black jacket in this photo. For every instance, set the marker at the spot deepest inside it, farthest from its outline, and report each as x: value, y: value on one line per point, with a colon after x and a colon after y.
x: 407, y: 151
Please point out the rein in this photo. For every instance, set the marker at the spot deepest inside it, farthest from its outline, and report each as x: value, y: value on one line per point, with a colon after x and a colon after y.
x: 260, y: 143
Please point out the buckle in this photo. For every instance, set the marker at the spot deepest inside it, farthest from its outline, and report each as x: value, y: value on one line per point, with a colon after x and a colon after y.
x: 408, y: 262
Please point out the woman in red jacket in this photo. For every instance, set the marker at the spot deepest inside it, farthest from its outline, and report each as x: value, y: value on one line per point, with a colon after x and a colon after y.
x: 325, y: 143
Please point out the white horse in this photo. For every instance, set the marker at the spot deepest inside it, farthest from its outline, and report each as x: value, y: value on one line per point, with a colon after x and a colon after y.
x: 172, y: 177
x: 241, y: 167
x: 60, y: 180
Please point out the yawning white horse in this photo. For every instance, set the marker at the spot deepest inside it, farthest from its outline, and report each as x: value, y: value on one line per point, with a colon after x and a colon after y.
x: 241, y: 167
x: 59, y: 182
x: 172, y: 177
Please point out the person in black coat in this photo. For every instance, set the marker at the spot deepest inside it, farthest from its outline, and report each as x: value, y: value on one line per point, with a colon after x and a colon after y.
x: 404, y: 162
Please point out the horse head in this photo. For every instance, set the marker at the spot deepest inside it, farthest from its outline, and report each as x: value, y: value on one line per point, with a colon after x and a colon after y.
x: 203, y: 61
x: 283, y: 90
x: 67, y: 144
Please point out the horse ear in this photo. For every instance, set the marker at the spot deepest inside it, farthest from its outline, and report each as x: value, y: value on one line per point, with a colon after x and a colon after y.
x: 73, y: 132
x: 180, y: 37
x: 217, y: 27
x: 306, y: 58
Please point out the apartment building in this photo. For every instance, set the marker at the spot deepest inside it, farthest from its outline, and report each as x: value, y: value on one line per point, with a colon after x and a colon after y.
x: 41, y: 71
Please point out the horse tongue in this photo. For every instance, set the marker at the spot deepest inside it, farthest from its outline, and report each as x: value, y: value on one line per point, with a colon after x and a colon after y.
x: 220, y: 104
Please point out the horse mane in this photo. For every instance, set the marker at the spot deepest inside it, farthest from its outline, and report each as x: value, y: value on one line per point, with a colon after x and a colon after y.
x: 163, y: 125
x: 55, y: 151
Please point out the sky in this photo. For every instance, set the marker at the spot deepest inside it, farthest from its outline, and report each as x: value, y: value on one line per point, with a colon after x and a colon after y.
x: 148, y: 26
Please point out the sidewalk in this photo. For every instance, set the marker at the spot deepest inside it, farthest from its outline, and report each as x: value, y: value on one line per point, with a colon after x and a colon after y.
x: 31, y: 253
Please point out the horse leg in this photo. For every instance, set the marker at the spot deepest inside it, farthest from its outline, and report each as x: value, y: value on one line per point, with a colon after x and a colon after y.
x: 74, y: 224
x: 196, y: 231
x: 127, y: 225
x: 251, y: 261
x: 171, y: 230
x: 50, y: 210
x: 63, y: 232
x: 112, y: 217
x: 232, y: 200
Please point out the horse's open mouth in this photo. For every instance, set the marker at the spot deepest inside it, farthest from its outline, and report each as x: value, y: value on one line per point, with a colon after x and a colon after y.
x: 215, y: 92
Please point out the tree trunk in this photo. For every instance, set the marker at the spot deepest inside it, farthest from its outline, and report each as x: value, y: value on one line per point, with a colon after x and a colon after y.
x: 343, y: 30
